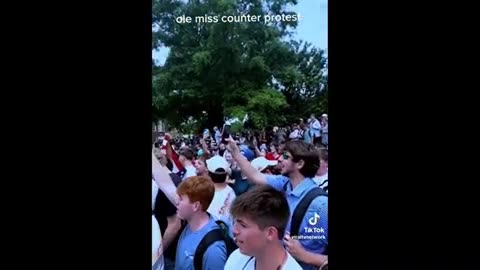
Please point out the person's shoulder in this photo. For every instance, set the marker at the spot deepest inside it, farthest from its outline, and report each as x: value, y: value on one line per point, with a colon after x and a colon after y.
x: 217, y: 246
x: 274, y: 177
x: 230, y: 190
x: 212, y: 224
x: 236, y: 258
x: 291, y: 263
x: 190, y: 171
x: 320, y: 200
x: 276, y: 181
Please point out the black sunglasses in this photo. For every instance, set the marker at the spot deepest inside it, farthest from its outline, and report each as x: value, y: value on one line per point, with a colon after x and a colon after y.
x: 285, y: 156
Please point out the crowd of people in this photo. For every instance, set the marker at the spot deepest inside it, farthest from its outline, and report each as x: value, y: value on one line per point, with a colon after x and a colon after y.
x: 255, y: 200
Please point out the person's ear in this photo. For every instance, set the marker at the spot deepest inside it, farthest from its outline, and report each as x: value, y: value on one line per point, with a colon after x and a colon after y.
x: 271, y: 233
x: 300, y: 164
x: 197, y: 207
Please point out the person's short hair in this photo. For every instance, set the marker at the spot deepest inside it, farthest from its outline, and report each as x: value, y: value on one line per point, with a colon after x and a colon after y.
x: 323, y: 152
x: 265, y: 206
x: 301, y: 150
x: 187, y: 153
x: 219, y: 176
x: 198, y: 189
x: 203, y: 158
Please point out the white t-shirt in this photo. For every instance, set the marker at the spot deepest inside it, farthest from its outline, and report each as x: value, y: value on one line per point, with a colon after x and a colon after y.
x: 321, y: 180
x: 294, y: 134
x: 239, y: 261
x: 315, y: 127
x: 157, y: 249
x: 190, y: 171
x: 220, y: 206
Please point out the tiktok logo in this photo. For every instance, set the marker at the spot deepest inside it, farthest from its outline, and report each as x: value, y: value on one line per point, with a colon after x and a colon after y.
x: 314, y: 220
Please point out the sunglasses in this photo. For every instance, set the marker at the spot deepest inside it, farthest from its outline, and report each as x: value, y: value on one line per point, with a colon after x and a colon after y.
x: 285, y: 156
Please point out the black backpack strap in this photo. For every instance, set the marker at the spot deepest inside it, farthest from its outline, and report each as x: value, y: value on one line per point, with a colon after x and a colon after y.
x: 325, y: 188
x: 211, y: 237
x: 326, y: 180
x: 302, y: 208
x: 223, y: 226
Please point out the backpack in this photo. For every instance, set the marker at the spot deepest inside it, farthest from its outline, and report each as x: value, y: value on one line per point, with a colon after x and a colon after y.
x: 325, y: 188
x: 302, y: 207
x: 211, y: 237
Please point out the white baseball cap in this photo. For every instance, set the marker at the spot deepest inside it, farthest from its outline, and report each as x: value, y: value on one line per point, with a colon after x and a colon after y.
x: 217, y: 162
x: 262, y: 163
x: 324, y: 115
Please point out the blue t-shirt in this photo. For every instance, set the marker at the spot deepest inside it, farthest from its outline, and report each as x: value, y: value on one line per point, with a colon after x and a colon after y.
x: 314, y: 227
x: 307, y: 136
x: 241, y: 185
x: 215, y: 256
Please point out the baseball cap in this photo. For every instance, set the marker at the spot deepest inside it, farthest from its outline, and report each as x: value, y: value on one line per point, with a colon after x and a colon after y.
x: 217, y: 162
x: 246, y: 152
x: 262, y: 163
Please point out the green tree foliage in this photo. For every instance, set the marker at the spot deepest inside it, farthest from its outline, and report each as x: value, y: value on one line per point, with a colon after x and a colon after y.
x: 305, y: 82
x: 230, y: 69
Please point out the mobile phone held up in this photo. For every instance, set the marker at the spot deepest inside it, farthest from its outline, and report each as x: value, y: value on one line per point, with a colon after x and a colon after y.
x: 226, y: 134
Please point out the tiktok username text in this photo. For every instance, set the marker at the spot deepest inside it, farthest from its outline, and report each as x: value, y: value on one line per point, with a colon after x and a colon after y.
x: 319, y: 231
x: 308, y: 237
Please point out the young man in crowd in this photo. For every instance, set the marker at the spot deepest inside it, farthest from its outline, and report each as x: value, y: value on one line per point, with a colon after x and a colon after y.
x: 315, y: 128
x: 324, y: 134
x: 295, y: 134
x: 218, y: 135
x: 221, y: 149
x: 261, y: 216
x: 307, y: 137
x: 321, y: 178
x: 186, y: 158
x: 196, y: 194
x: 240, y: 183
x: 224, y: 195
x: 299, y: 164
x: 201, y: 167
x: 165, y: 212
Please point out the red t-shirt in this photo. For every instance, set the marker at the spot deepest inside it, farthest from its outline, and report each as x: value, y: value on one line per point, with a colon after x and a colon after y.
x: 270, y: 156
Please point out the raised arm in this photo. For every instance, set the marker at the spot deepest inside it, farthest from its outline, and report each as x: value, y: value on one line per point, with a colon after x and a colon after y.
x: 205, y: 147
x: 247, y: 169
x: 161, y: 175
x: 258, y: 153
